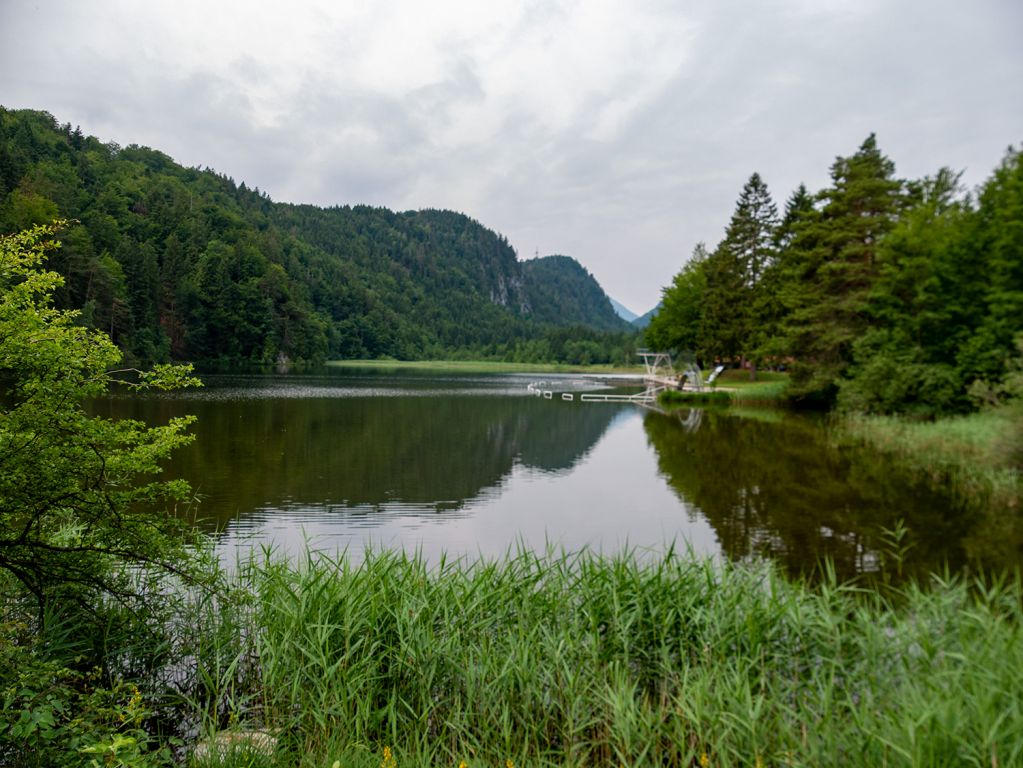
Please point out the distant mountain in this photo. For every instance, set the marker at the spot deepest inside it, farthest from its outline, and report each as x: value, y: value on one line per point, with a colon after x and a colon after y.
x: 562, y: 292
x: 185, y: 264
x: 644, y: 320
x: 623, y: 311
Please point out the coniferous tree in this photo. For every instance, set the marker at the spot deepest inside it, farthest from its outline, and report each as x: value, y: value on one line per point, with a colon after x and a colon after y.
x: 777, y: 293
x: 918, y: 309
x: 996, y: 243
x: 836, y: 266
x: 750, y: 234
x: 734, y: 273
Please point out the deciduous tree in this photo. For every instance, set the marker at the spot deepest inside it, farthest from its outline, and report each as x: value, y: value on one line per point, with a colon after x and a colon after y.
x: 82, y: 512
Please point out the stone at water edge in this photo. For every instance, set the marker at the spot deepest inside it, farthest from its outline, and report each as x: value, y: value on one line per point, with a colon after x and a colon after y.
x: 227, y: 743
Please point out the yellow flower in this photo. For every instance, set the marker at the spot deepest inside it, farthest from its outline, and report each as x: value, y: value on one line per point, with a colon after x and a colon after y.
x: 389, y: 761
x: 463, y: 764
x: 704, y: 760
x: 509, y: 764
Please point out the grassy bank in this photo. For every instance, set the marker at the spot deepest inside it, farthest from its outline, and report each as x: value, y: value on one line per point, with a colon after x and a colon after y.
x: 982, y: 453
x: 482, y: 366
x: 536, y: 661
x: 734, y: 386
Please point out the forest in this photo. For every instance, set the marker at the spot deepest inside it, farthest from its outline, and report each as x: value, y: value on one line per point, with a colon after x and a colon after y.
x: 184, y: 264
x: 877, y: 294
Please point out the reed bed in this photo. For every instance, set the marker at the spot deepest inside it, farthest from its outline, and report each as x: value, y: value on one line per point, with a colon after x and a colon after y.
x: 582, y: 660
x: 981, y: 453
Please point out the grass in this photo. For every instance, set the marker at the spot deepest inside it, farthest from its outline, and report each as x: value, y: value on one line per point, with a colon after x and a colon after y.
x: 734, y: 387
x: 482, y: 366
x: 979, y: 455
x: 981, y: 450
x: 579, y: 660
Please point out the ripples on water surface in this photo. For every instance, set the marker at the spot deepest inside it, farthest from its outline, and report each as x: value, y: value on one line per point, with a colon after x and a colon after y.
x: 475, y: 464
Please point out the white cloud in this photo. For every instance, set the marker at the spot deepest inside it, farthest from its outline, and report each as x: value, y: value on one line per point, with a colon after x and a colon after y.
x: 619, y: 133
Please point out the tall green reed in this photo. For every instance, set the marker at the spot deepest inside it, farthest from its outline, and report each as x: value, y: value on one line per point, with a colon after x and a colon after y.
x: 559, y: 659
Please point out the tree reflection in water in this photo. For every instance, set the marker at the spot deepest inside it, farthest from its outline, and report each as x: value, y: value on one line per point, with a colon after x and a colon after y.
x: 781, y: 486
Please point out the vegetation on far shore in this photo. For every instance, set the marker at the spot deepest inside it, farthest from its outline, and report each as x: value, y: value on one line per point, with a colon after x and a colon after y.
x: 186, y: 264
x: 734, y: 386
x: 483, y: 366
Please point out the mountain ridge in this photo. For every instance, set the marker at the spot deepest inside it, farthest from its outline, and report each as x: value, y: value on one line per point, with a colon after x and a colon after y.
x: 183, y: 263
x: 622, y: 311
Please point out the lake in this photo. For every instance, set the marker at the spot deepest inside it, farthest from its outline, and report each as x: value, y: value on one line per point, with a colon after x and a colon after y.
x: 472, y: 465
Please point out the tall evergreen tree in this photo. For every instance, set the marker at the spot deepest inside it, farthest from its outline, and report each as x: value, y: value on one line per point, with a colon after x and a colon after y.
x: 750, y: 234
x: 996, y: 240
x: 777, y: 292
x: 734, y: 273
x: 919, y: 309
x: 837, y: 264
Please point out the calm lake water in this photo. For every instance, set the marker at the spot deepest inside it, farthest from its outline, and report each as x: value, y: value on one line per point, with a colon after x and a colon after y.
x: 470, y: 465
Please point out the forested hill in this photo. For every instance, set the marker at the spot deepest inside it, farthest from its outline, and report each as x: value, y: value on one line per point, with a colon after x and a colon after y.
x: 184, y: 263
x: 560, y: 286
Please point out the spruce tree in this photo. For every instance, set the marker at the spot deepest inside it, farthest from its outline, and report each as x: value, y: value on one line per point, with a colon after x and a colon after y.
x: 836, y: 264
x: 734, y: 273
x: 777, y: 292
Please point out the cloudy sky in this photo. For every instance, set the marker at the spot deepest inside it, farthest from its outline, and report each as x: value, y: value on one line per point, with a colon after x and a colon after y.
x: 617, y: 132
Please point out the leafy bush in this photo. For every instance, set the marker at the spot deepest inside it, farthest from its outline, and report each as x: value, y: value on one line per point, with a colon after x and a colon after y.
x: 55, y: 714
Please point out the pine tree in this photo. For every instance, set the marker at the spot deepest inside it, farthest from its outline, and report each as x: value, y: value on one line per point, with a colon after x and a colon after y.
x: 750, y: 235
x: 734, y: 273
x: 836, y: 264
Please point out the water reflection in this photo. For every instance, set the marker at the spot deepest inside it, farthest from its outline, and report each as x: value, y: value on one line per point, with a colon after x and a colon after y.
x: 779, y: 486
x: 299, y: 443
x: 468, y: 465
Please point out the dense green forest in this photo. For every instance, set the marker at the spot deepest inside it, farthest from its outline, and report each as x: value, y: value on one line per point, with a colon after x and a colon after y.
x: 561, y: 286
x: 878, y: 294
x: 185, y: 264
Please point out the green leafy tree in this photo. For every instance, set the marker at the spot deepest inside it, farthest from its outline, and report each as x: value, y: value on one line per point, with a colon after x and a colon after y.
x: 677, y: 325
x: 81, y: 513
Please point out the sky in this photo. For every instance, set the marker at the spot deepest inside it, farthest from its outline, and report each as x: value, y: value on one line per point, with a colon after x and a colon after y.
x: 620, y: 133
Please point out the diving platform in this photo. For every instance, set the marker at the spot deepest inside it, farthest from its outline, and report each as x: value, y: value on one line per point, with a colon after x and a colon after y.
x: 659, y: 375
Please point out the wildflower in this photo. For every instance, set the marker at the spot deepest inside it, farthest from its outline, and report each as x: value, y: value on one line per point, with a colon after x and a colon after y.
x: 389, y: 761
x: 508, y: 763
x: 704, y: 760
x: 462, y: 764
